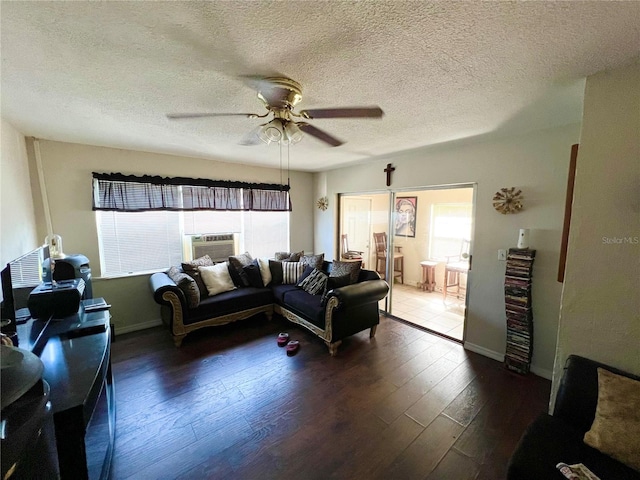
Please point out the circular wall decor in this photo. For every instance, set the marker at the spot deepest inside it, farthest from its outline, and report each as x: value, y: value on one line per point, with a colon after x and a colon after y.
x: 323, y: 203
x: 508, y: 200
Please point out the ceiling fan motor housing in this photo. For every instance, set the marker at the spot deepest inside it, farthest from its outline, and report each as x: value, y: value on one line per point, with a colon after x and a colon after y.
x: 281, y: 93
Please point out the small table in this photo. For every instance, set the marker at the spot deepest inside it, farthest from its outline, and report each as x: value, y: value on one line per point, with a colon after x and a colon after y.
x: 428, y: 275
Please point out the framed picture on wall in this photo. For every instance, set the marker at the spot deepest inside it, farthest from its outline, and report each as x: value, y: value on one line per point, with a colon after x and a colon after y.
x: 405, y: 216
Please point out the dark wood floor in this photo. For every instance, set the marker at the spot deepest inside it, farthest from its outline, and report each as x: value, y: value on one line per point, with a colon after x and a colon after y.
x: 229, y: 404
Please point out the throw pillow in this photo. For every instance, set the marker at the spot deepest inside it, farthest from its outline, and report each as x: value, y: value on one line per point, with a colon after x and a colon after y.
x: 338, y: 269
x: 288, y: 256
x: 240, y: 261
x: 217, y: 278
x: 305, y: 273
x: 291, y: 272
x: 236, y: 278
x: 253, y: 274
x: 191, y: 269
x: 617, y: 422
x: 315, y: 282
x: 313, y: 260
x: 265, y: 271
x: 275, y: 268
x: 333, y: 283
x: 187, y: 284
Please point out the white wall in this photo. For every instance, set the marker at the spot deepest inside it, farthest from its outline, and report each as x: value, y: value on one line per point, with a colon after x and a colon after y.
x: 538, y: 164
x: 67, y: 170
x: 17, y: 220
x: 600, y: 314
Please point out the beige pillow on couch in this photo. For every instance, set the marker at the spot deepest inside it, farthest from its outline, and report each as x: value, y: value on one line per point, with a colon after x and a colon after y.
x: 616, y: 427
x: 217, y: 278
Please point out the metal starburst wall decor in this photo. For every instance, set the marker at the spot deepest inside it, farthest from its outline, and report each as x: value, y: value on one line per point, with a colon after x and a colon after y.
x: 508, y: 200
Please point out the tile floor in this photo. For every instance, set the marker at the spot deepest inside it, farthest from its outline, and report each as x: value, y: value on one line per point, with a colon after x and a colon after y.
x: 428, y: 309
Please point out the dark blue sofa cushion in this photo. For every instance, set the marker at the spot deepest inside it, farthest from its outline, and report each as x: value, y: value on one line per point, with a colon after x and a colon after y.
x: 229, y: 302
x: 280, y: 291
x: 306, y: 305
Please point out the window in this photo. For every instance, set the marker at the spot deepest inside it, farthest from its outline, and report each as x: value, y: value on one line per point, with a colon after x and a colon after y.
x: 142, y: 221
x: 450, y: 229
x: 138, y: 241
x: 131, y: 242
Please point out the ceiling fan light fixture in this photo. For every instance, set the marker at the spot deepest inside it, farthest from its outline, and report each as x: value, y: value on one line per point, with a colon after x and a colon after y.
x: 272, y: 131
x: 292, y: 132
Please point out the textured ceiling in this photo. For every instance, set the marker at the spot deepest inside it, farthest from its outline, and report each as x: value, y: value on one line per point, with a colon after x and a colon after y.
x: 106, y: 73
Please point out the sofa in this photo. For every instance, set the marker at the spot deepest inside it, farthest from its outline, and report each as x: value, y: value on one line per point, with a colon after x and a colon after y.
x: 345, y: 305
x: 589, y: 402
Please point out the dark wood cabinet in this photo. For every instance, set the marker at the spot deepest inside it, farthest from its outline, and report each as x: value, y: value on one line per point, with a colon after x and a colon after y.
x: 76, y: 352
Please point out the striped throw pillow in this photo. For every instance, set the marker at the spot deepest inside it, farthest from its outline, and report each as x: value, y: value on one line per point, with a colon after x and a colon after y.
x: 291, y: 271
x: 315, y: 283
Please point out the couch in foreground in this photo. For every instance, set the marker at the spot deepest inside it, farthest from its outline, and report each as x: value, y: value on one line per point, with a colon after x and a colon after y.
x: 343, y: 308
x: 602, y: 404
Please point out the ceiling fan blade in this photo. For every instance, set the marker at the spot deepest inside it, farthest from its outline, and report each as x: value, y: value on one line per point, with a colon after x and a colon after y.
x: 349, y: 112
x: 252, y: 138
x: 177, y: 116
x: 319, y: 134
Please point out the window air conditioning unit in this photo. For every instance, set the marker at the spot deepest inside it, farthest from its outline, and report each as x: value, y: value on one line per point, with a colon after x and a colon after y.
x: 219, y: 246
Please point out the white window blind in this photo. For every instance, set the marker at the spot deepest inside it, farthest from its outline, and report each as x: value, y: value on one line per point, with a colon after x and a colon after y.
x: 133, y: 242
x: 138, y: 241
x: 266, y: 233
x: 26, y: 271
x: 450, y: 228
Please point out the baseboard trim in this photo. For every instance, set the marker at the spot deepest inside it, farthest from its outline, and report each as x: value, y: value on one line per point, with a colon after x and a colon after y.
x: 540, y: 372
x: 484, y: 351
x: 137, y: 326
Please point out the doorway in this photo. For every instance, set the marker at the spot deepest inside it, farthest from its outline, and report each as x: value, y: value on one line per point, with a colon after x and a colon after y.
x: 355, y: 222
x: 428, y: 236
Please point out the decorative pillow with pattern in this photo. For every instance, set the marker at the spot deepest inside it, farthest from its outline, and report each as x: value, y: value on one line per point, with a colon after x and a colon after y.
x: 313, y: 260
x: 191, y: 269
x: 291, y: 272
x: 187, y: 284
x: 288, y: 256
x: 217, y: 278
x: 315, y: 282
x: 338, y: 269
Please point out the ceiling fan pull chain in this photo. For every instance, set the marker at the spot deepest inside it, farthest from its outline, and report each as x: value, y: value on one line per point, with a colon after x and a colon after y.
x: 288, y: 162
x: 280, y: 147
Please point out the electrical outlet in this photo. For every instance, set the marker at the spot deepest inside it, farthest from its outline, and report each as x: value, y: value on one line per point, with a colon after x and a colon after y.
x: 502, y: 255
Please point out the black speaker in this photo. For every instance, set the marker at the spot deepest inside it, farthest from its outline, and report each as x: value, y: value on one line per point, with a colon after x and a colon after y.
x: 59, y: 300
x: 71, y: 266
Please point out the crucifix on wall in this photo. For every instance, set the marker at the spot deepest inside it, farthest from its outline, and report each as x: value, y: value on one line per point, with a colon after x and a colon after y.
x: 388, y: 170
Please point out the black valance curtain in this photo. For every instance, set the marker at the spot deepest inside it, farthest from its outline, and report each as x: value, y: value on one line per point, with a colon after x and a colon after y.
x: 130, y: 193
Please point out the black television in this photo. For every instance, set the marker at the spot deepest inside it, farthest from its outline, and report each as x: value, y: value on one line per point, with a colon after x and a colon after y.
x: 19, y: 278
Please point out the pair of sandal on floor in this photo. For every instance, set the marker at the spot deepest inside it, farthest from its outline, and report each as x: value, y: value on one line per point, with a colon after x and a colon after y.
x: 291, y: 346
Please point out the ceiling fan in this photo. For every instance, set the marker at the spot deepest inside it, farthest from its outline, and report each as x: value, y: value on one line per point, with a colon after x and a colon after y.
x: 280, y: 95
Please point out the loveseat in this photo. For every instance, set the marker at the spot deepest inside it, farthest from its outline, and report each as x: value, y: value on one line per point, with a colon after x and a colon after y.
x: 560, y: 438
x: 345, y: 305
